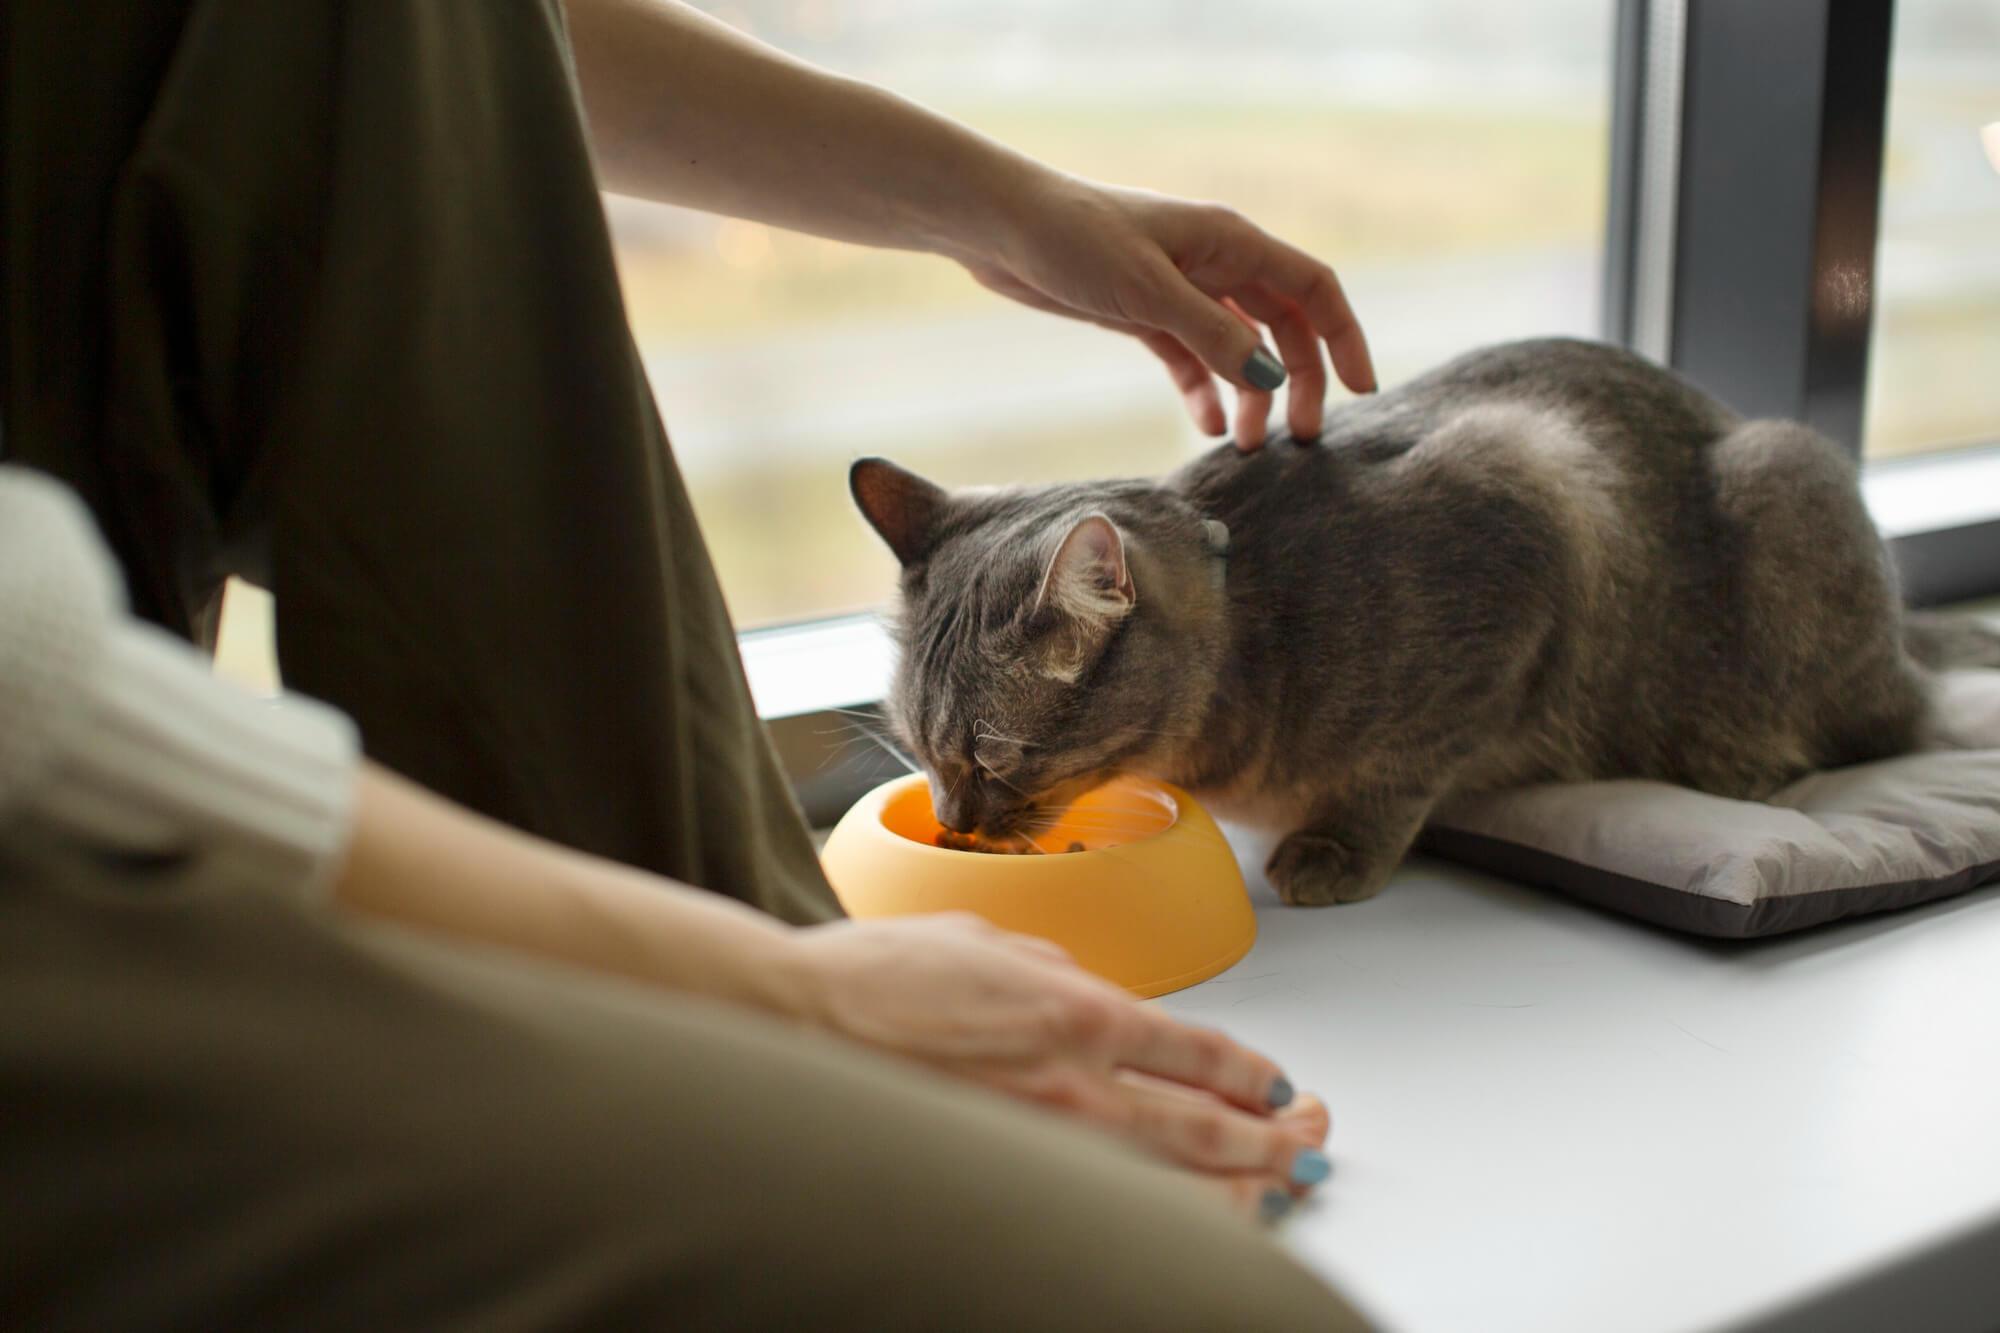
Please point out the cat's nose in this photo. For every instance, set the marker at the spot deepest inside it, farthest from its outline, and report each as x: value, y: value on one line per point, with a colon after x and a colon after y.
x: 955, y: 810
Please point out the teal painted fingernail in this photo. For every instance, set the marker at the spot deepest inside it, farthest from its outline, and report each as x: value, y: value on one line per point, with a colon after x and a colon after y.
x: 1274, y: 1205
x: 1310, y: 1167
x: 1281, y: 1092
x: 1264, y: 370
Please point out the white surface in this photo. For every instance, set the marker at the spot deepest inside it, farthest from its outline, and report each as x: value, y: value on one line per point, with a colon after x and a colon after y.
x: 819, y: 664
x: 1945, y: 490
x: 1548, y: 1118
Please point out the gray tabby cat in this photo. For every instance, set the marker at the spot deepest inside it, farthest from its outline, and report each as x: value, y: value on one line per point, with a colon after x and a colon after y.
x: 1544, y: 561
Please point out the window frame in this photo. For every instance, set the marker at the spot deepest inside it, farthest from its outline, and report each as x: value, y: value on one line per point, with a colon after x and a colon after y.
x: 1704, y: 227
x: 1707, y: 224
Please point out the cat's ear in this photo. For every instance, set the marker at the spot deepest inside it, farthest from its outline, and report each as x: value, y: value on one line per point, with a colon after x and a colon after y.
x: 901, y: 506
x: 1087, y: 578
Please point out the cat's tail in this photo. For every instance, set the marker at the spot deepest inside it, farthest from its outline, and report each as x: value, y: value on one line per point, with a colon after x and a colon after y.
x: 1941, y: 641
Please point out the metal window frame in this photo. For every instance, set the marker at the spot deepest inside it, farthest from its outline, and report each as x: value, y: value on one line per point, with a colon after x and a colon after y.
x: 1741, y: 238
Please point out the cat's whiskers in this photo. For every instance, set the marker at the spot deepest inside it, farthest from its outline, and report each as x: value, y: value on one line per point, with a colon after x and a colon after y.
x: 854, y: 735
x: 845, y: 752
x: 875, y: 723
x: 865, y: 732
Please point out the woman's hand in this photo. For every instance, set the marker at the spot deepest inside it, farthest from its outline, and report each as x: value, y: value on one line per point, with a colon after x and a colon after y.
x: 1013, y: 1013
x: 1006, y: 1011
x: 1192, y: 282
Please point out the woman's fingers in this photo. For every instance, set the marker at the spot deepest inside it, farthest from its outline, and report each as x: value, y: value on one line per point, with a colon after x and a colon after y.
x: 1210, y: 322
x: 1190, y: 376
x: 1305, y: 404
x: 1202, y: 323
x: 1254, y: 1197
x: 1298, y: 279
x: 1253, y: 419
x: 1253, y: 405
x: 1309, y: 1117
x: 1040, y: 948
x: 1230, y: 256
x: 1298, y: 346
x: 1168, y: 270
x: 1149, y: 1041
x: 1210, y: 1136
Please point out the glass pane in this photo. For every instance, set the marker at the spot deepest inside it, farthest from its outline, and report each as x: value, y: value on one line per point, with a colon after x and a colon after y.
x: 1934, y: 369
x: 1448, y: 157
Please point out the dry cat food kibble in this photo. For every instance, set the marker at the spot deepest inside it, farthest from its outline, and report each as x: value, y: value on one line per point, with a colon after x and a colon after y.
x: 966, y: 842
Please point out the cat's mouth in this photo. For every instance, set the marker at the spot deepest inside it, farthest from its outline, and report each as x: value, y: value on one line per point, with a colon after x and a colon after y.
x: 1038, y: 816
x: 1016, y: 845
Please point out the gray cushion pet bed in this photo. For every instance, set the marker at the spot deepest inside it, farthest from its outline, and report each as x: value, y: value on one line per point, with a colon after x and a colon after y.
x: 1834, y: 844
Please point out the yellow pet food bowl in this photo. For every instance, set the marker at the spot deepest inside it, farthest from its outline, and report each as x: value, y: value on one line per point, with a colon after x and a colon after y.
x: 1153, y: 902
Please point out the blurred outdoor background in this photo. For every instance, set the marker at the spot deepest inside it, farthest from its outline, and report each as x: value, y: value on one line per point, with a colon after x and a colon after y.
x: 1448, y: 157
x: 1934, y: 369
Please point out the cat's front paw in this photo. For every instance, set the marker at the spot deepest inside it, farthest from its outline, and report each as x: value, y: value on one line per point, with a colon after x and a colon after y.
x: 1313, y: 870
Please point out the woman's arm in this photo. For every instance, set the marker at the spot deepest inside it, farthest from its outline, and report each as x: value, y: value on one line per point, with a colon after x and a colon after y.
x: 420, y: 860
x: 686, y: 110
x: 1006, y: 1011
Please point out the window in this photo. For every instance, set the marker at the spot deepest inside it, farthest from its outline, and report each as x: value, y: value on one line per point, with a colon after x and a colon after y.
x: 1934, y: 373
x: 1448, y: 157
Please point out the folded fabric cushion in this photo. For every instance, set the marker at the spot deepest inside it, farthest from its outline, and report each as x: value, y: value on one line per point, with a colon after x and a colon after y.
x: 1834, y: 844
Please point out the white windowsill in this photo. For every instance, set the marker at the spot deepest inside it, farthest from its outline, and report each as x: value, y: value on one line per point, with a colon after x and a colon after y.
x: 1929, y: 492
x: 817, y: 665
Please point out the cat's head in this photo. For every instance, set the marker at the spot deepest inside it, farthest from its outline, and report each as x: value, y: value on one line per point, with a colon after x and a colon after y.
x: 1049, y: 637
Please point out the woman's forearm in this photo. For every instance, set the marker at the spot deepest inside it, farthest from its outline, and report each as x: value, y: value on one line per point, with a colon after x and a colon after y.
x: 686, y: 110
x: 418, y: 860
x: 957, y: 996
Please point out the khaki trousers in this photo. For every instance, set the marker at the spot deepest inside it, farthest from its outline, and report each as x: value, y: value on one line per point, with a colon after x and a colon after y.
x: 224, y: 1110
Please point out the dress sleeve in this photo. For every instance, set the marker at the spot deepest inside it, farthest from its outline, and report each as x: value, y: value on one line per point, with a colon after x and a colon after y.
x: 117, y: 739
